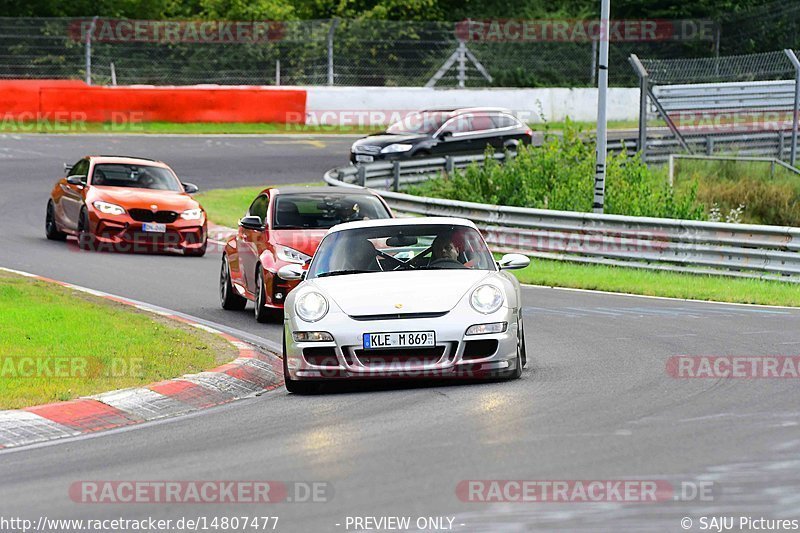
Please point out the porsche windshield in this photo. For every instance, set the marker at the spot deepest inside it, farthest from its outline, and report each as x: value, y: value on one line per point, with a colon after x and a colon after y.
x: 135, y: 176
x: 323, y: 211
x: 393, y: 248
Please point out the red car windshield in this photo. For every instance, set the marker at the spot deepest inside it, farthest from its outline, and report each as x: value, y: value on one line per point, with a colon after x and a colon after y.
x: 323, y: 211
x: 135, y: 176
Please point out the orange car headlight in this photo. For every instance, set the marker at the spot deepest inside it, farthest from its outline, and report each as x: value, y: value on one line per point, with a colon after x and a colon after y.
x: 109, y: 209
x: 192, y: 214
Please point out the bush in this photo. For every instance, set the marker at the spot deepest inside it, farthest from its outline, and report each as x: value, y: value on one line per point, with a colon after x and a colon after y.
x: 560, y: 175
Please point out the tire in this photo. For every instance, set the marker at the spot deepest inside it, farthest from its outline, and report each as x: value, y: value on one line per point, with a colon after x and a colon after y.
x: 85, y: 237
x: 263, y: 313
x: 520, y: 361
x: 524, y: 350
x: 50, y: 227
x: 196, y: 252
x: 294, y: 386
x: 228, y: 298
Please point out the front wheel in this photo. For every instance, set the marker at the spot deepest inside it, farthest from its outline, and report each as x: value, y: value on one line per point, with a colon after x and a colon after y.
x: 50, y: 227
x: 228, y: 298
x: 85, y: 237
x: 263, y: 313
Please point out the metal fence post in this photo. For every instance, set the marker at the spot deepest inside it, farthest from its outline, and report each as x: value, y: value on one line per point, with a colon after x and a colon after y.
x: 89, y: 34
x: 462, y: 64
x: 709, y: 145
x: 331, y: 31
x: 362, y: 175
x: 113, y: 75
x: 449, y: 164
x: 781, y: 142
x: 643, y: 90
x: 396, y: 175
x: 796, y: 117
x: 278, y: 72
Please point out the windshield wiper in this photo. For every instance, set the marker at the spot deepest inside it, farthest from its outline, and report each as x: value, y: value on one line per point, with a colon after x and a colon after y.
x: 344, y: 272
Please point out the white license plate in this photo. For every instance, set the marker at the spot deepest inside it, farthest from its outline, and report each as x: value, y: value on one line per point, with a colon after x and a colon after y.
x: 154, y: 228
x: 364, y: 158
x: 405, y: 339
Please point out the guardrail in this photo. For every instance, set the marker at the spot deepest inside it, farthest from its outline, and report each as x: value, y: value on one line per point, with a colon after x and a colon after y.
x: 740, y: 250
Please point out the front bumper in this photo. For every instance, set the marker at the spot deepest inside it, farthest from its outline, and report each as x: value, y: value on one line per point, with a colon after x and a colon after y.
x: 456, y: 355
x: 128, y: 236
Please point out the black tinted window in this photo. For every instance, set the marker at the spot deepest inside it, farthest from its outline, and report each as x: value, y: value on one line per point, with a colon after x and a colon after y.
x: 320, y: 210
x: 259, y: 207
x: 81, y: 168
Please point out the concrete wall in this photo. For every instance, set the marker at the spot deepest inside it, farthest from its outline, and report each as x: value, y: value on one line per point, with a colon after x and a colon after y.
x: 381, y: 105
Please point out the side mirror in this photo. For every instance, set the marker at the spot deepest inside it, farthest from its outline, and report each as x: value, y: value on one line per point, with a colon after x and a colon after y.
x: 67, y: 168
x: 252, y: 222
x: 291, y: 272
x: 513, y: 262
x: 76, y: 180
x: 445, y: 135
x: 190, y: 188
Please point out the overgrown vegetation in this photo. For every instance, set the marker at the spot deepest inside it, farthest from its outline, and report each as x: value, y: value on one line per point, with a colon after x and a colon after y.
x: 768, y: 197
x: 560, y: 175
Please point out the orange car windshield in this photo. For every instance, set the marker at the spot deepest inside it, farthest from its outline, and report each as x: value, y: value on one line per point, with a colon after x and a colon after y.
x: 135, y: 176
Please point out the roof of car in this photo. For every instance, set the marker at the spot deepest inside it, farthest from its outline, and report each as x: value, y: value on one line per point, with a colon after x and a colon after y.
x: 460, y: 110
x: 415, y: 221
x: 125, y: 160
x: 321, y: 190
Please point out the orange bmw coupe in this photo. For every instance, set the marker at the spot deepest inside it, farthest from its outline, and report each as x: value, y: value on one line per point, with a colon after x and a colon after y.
x: 126, y: 204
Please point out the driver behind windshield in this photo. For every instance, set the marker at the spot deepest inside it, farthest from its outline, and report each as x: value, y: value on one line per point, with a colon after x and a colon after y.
x: 445, y: 251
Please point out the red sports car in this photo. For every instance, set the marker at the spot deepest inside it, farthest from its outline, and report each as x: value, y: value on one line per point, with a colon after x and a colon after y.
x: 126, y: 204
x: 284, y: 226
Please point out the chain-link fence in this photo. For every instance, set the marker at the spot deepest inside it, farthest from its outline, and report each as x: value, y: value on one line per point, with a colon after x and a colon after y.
x: 746, y: 104
x: 338, y: 52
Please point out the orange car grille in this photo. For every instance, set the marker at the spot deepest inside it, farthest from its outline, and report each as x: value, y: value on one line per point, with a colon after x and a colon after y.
x: 161, y: 217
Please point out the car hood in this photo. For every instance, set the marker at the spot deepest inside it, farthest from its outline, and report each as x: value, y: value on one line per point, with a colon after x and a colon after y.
x: 305, y: 241
x: 428, y: 291
x: 144, y: 199
x: 385, y: 139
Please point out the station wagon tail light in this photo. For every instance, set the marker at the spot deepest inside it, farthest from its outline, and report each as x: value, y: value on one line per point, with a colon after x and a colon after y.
x: 311, y: 306
x: 109, y: 209
x: 290, y: 255
x: 192, y: 214
x: 312, y: 336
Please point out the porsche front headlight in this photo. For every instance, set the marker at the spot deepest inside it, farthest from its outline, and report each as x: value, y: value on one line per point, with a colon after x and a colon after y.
x: 311, y: 306
x: 486, y: 299
x: 108, y: 209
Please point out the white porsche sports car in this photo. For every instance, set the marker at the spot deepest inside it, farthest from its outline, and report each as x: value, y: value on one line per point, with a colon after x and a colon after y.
x: 413, y: 298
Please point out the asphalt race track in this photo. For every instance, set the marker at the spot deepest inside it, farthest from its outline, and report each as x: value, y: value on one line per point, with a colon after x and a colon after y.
x: 596, y: 402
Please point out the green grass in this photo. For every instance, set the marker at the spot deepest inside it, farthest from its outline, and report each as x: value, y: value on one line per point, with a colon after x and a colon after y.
x: 59, y: 344
x: 654, y: 283
x: 227, y: 206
